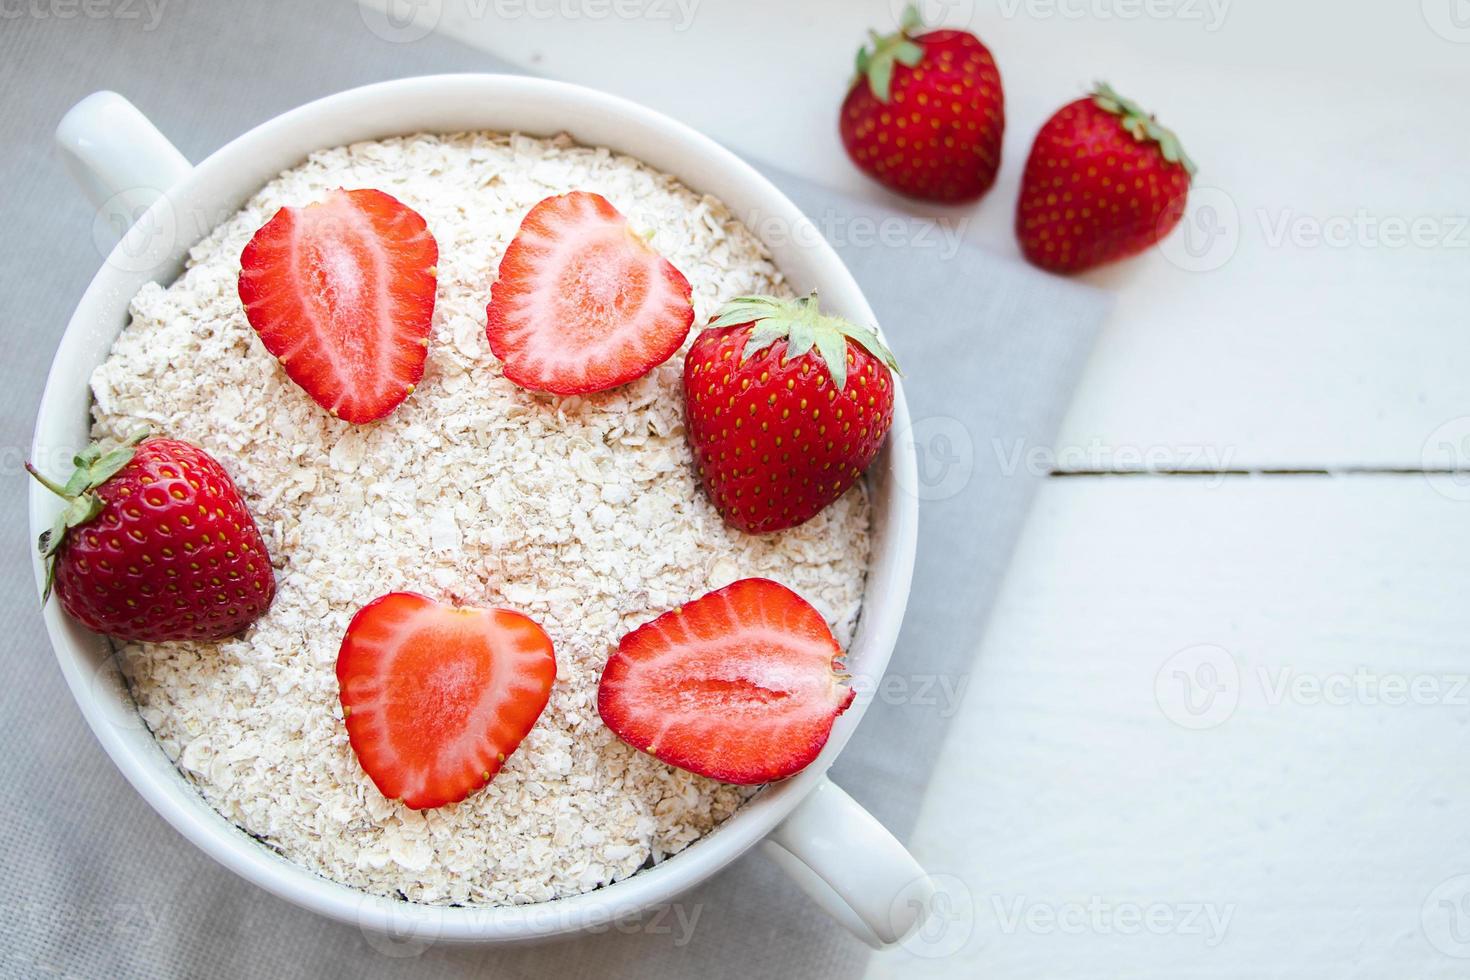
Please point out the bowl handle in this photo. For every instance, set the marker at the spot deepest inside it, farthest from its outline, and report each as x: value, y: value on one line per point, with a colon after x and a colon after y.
x: 119, y: 158
x: 852, y: 866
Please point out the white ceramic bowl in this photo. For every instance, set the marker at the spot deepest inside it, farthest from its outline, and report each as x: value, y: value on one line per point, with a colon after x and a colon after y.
x: 834, y: 848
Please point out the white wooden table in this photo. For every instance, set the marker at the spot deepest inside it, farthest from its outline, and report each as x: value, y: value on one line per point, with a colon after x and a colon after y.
x: 1217, y: 725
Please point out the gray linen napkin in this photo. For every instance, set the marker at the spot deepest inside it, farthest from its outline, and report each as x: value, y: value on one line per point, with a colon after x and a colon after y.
x: 98, y: 885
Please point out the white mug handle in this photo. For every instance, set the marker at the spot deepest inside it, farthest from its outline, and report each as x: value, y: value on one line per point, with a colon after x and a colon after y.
x: 852, y: 866
x: 119, y: 158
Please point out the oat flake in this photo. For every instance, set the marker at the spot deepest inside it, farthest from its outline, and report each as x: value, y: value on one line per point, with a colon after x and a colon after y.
x: 581, y: 512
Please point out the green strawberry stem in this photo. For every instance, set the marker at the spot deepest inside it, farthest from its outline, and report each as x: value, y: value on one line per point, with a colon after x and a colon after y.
x: 93, y: 468
x: 802, y: 324
x: 1141, y: 125
x: 51, y: 485
x: 877, y: 65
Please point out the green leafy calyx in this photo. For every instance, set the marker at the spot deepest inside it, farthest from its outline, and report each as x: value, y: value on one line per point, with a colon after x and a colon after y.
x: 1141, y: 125
x: 93, y: 468
x: 876, y: 63
x: 802, y: 324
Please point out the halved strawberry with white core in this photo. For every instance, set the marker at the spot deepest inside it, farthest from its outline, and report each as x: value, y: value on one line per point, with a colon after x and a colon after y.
x: 436, y: 697
x: 342, y: 293
x: 583, y: 302
x: 741, y: 685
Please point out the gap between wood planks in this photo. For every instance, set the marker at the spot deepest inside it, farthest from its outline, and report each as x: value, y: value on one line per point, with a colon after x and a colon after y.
x: 1276, y: 471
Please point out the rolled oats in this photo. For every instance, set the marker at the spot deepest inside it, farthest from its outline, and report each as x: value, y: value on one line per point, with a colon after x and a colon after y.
x: 580, y: 512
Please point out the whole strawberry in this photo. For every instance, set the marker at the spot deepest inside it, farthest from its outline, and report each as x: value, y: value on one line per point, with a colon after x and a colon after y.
x: 155, y: 544
x: 925, y: 114
x: 784, y: 408
x: 1104, y: 181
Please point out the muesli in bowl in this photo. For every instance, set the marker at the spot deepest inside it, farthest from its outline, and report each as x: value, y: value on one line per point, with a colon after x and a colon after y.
x: 452, y: 379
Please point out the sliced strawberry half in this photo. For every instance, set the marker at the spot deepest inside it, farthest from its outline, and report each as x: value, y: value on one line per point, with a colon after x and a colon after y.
x: 342, y: 293
x: 582, y: 302
x: 741, y: 685
x: 436, y: 697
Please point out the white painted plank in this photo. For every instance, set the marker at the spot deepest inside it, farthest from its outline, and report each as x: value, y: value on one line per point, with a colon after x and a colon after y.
x: 1319, y: 828
x: 1302, y: 115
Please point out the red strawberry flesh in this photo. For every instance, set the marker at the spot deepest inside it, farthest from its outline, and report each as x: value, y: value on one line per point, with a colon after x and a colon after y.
x: 436, y: 697
x: 741, y: 685
x: 582, y: 303
x: 342, y: 293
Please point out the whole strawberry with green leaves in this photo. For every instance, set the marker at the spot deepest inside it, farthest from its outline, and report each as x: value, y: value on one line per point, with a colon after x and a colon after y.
x: 154, y: 543
x: 785, y: 407
x: 926, y: 113
x: 1104, y: 181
